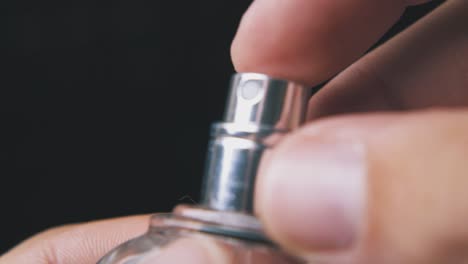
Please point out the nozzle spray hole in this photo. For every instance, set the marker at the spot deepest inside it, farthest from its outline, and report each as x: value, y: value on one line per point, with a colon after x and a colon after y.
x: 251, y: 89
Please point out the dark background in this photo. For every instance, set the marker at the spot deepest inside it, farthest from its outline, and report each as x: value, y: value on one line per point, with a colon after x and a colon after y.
x: 105, y: 107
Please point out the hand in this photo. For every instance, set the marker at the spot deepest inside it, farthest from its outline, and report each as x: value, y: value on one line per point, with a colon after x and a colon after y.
x: 381, y: 187
x: 387, y: 186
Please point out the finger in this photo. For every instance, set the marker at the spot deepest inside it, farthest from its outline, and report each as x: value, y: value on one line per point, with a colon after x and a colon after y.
x: 382, y: 188
x: 78, y: 243
x: 422, y: 67
x: 310, y: 40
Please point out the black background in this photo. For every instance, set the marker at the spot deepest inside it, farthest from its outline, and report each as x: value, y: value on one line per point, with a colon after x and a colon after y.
x: 105, y: 107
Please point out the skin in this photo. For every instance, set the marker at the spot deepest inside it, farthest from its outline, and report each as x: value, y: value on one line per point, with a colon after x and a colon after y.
x: 378, y: 175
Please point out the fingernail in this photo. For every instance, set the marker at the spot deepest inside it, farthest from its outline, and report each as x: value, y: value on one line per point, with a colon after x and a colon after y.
x: 314, y: 194
x: 194, y: 250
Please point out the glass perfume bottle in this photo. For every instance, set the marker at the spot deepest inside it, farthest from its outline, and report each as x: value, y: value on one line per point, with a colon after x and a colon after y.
x: 259, y: 112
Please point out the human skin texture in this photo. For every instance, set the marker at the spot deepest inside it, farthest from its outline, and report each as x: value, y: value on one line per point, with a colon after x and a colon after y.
x: 379, y: 173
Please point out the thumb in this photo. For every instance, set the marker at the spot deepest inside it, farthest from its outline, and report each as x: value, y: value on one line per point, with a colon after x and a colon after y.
x: 382, y: 188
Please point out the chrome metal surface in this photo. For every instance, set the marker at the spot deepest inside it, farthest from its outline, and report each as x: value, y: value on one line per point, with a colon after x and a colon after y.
x: 260, y: 110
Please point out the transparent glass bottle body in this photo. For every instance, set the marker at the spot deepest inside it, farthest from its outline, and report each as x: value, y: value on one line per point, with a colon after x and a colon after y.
x: 240, y: 235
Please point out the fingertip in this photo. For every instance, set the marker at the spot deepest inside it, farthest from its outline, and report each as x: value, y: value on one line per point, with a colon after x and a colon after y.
x: 309, y: 41
x: 311, y: 192
x: 313, y: 196
x: 273, y: 38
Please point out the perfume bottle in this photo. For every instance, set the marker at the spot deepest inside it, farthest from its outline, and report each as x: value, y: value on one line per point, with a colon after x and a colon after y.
x: 260, y: 111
